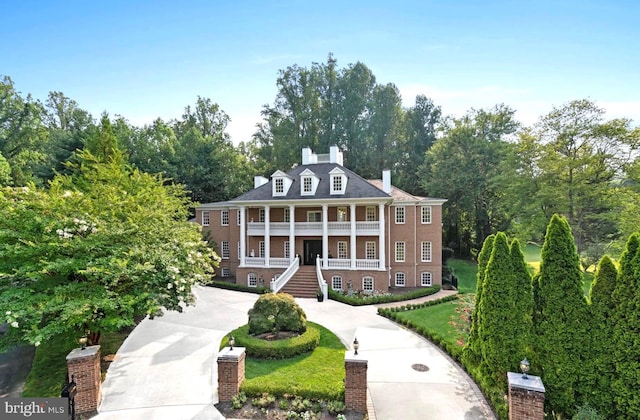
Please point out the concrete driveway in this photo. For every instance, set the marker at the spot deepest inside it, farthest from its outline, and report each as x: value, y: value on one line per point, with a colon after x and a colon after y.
x: 166, y: 369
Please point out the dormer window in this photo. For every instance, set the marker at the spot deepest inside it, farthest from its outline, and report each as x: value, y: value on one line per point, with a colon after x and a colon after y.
x: 308, y: 182
x: 281, y: 183
x: 338, y: 181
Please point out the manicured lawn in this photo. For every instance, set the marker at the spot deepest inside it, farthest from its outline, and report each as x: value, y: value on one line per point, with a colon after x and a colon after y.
x: 436, y: 318
x: 318, y: 374
x: 466, y: 271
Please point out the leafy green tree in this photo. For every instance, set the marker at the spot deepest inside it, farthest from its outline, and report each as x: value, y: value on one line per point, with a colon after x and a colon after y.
x: 5, y: 171
x: 561, y: 342
x: 472, y: 351
x: 626, y: 330
x: 96, y: 250
x: 602, y: 348
x: 506, y: 302
x: 22, y: 134
x: 462, y: 167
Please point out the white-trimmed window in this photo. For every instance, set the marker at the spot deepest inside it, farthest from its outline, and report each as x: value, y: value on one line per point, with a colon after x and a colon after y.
x: 426, y: 214
x: 336, y: 282
x: 367, y: 284
x: 261, y: 249
x: 279, y: 185
x: 238, y: 250
x: 225, y: 249
x: 338, y: 181
x: 336, y: 184
x: 225, y: 272
x: 238, y: 216
x: 287, y: 215
x: 425, y: 279
x: 342, y: 214
x: 370, y: 250
x: 224, y: 218
x: 307, y: 185
x: 205, y: 218
x: 342, y: 250
x: 314, y: 216
x: 252, y: 280
x: 426, y: 251
x: 400, y: 279
x: 400, y: 215
x: 287, y: 249
x: 261, y: 215
x: 371, y: 214
x: 400, y: 251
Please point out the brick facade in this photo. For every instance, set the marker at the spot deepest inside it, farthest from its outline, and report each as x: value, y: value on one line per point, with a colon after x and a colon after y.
x: 355, y: 383
x: 230, y: 372
x: 84, y: 365
x: 526, y: 397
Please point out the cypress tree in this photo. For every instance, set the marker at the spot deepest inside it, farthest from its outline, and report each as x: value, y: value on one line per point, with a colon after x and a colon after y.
x: 562, y: 319
x: 626, y: 333
x: 503, y: 329
x: 523, y: 310
x: 472, y: 352
x: 601, y: 310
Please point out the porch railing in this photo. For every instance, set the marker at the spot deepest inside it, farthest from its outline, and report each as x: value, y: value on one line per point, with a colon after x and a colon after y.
x: 277, y: 285
x: 322, y: 284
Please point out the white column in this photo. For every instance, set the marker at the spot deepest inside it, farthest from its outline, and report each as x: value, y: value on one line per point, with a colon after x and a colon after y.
x: 381, y: 237
x: 292, y: 232
x: 267, y: 237
x: 325, y: 236
x: 352, y: 238
x: 243, y: 236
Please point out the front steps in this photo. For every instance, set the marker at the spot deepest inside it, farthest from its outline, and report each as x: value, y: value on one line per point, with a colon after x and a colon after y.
x: 304, y: 283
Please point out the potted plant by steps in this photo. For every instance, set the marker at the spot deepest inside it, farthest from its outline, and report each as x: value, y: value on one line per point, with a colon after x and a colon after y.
x: 319, y: 295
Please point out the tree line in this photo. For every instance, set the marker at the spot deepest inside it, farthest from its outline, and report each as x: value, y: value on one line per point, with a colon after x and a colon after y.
x: 496, y: 174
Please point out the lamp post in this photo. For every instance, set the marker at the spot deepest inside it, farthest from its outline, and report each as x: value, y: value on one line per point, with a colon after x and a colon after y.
x: 83, y: 342
x: 356, y: 346
x: 524, y: 367
x: 232, y: 341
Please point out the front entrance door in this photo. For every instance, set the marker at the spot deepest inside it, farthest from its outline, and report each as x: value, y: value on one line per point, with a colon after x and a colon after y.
x: 311, y: 250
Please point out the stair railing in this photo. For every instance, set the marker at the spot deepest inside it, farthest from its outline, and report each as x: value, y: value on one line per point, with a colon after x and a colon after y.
x: 322, y: 284
x: 277, y: 285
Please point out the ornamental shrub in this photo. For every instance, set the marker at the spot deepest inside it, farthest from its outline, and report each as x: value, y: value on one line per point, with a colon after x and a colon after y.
x: 275, y: 312
x: 276, y: 349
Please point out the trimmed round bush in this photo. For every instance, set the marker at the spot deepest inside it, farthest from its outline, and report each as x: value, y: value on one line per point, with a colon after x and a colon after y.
x: 276, y: 349
x: 275, y: 312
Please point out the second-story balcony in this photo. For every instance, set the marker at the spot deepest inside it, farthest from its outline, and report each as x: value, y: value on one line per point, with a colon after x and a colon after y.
x: 314, y: 228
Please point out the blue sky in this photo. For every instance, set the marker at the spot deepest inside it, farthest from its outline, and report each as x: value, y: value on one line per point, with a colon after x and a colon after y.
x: 144, y: 59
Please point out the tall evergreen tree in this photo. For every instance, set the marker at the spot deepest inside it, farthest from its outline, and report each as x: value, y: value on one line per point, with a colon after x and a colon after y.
x: 504, y: 327
x: 472, y: 352
x: 626, y: 332
x: 562, y: 312
x: 601, y: 296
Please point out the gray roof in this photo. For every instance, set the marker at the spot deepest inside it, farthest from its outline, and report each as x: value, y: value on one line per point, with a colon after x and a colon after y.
x: 357, y: 187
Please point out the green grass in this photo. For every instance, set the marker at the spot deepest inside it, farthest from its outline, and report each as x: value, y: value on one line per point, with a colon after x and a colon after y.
x: 466, y: 272
x: 436, y: 318
x: 318, y: 374
x: 49, y: 370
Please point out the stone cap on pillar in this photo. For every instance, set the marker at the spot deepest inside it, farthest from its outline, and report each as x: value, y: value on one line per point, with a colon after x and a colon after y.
x: 532, y: 383
x: 228, y: 353
x: 81, y: 353
x: 350, y: 356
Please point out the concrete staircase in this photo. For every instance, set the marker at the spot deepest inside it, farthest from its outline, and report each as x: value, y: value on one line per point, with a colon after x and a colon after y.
x: 304, y: 283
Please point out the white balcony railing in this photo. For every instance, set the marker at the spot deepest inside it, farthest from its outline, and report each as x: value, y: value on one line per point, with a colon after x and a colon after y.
x: 314, y: 228
x: 261, y: 262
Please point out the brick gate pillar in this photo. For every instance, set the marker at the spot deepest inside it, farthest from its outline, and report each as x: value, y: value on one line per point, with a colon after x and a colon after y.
x: 230, y: 372
x: 84, y: 365
x: 526, y: 397
x: 355, y: 383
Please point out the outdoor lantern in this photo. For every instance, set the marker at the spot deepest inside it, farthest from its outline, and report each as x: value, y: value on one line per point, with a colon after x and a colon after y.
x: 232, y: 341
x: 83, y: 342
x: 356, y: 346
x: 524, y: 367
